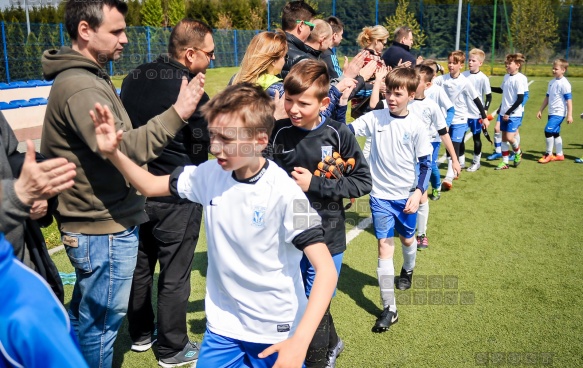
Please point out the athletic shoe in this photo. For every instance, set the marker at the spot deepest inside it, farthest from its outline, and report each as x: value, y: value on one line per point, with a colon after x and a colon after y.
x: 494, y: 156
x: 146, y: 343
x: 446, y: 184
x: 334, y: 353
x: 559, y: 158
x: 517, y: 159
x: 501, y: 166
x: 435, y: 194
x: 475, y: 167
x: 548, y: 157
x: 404, y: 281
x: 188, y: 355
x: 579, y: 160
x: 385, y: 320
x: 422, y: 242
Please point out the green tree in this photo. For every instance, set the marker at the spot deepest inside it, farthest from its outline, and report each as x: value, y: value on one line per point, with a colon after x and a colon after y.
x: 204, y: 10
x: 133, y: 17
x: 152, y: 13
x: 175, y: 12
x: 533, y: 24
x: 403, y: 17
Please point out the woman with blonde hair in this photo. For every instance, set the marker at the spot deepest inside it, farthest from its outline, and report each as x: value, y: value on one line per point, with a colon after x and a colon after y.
x: 263, y: 61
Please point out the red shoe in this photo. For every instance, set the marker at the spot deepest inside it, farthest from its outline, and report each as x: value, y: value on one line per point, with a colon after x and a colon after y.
x: 559, y: 158
x: 548, y: 157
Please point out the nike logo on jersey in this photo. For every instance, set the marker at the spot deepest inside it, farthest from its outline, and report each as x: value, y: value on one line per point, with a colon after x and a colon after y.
x: 215, y: 201
x: 288, y: 151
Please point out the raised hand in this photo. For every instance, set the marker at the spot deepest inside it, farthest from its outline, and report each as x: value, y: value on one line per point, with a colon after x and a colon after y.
x: 189, y: 96
x: 106, y: 136
x: 352, y: 68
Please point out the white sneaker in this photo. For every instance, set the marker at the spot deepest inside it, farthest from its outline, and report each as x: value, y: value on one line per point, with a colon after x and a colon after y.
x: 475, y: 167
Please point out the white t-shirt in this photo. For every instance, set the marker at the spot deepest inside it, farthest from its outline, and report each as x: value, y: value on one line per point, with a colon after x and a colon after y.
x: 396, y: 144
x: 481, y: 84
x: 254, y: 288
x: 558, y: 92
x: 430, y: 114
x: 438, y: 95
x: 460, y: 92
x: 512, y: 86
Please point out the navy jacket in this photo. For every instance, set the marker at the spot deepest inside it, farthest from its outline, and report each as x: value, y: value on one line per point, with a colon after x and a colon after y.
x: 396, y: 52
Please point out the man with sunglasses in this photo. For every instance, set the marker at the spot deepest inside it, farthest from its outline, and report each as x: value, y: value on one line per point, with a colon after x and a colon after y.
x: 171, y: 234
x: 296, y: 21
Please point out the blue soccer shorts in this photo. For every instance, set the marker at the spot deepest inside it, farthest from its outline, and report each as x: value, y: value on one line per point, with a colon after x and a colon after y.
x: 510, y: 126
x: 388, y: 215
x: 309, y: 273
x: 457, y: 132
x: 220, y: 351
x: 554, y: 124
x: 475, y: 126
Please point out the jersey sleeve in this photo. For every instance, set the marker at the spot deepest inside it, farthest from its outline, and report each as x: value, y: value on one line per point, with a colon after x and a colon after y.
x: 486, y: 88
x: 437, y: 118
x: 566, y: 91
x: 363, y: 126
x: 444, y: 100
x: 300, y: 218
x: 189, y: 184
x: 423, y: 146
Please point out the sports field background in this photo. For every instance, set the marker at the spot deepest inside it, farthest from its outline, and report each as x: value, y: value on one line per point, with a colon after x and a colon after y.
x: 500, y: 285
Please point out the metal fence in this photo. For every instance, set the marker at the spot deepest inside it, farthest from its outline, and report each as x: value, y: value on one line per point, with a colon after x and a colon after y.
x: 20, y: 54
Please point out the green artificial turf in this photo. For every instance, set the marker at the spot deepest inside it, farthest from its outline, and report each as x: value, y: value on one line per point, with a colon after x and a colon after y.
x: 500, y: 285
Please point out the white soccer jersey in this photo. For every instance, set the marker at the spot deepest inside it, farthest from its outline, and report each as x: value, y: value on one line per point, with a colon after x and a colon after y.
x: 396, y: 144
x: 512, y: 86
x: 481, y: 84
x: 460, y: 92
x: 429, y: 113
x: 254, y: 288
x: 558, y: 92
x: 438, y: 95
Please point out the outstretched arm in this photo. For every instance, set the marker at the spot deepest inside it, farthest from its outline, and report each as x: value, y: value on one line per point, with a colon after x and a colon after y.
x: 108, y: 142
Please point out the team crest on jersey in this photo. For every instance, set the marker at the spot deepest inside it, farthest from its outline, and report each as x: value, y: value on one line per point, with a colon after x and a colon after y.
x: 259, y: 216
x: 326, y: 151
x: 406, y: 138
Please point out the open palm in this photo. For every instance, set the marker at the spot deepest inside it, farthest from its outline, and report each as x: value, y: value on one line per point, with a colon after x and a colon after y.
x: 106, y: 136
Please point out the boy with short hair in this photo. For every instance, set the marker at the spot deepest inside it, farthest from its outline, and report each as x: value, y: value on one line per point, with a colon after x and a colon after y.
x: 399, y: 141
x: 429, y: 112
x: 481, y: 84
x: 462, y: 94
x: 513, y: 89
x: 303, y: 145
x: 257, y: 226
x: 560, y: 102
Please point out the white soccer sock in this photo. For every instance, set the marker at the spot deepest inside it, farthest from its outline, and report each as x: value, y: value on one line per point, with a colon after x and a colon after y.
x: 409, y: 256
x: 498, y: 142
x: 462, y: 160
x: 450, y: 174
x: 517, y: 138
x: 558, y: 145
x: 477, y: 158
x: 386, y: 277
x: 422, y: 217
x: 516, y: 146
x: 550, y: 142
x: 505, y: 148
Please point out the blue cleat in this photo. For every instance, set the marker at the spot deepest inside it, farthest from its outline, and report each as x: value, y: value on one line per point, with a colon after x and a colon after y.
x: 494, y: 156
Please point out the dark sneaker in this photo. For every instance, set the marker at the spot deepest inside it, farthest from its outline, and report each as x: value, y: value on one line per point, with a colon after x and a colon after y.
x: 334, y: 353
x: 422, y: 242
x: 385, y: 320
x: 404, y: 281
x: 188, y: 356
x: 145, y: 344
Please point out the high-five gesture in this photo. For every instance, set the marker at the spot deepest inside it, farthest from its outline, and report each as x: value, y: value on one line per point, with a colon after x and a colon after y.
x: 189, y: 96
x: 107, y: 137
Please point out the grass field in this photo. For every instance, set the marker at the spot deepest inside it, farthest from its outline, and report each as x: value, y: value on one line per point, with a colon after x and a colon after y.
x: 500, y: 285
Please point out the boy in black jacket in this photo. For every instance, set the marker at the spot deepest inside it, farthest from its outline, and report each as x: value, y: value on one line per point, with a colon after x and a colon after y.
x: 325, y: 160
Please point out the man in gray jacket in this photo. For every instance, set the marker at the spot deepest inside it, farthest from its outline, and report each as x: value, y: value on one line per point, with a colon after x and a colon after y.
x: 100, y: 215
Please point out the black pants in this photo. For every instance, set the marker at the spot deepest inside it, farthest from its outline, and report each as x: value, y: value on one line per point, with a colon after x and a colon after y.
x: 169, y: 237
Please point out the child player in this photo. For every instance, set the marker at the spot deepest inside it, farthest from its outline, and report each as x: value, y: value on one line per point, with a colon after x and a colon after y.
x: 430, y: 114
x: 305, y: 144
x: 481, y: 84
x: 511, y: 109
x: 256, y: 231
x: 462, y: 94
x: 560, y: 102
x: 399, y: 141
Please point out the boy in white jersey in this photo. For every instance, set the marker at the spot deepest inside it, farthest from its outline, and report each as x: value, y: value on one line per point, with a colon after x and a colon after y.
x: 258, y: 222
x: 430, y: 114
x: 481, y: 84
x: 462, y: 94
x: 511, y: 109
x: 560, y: 102
x: 399, y: 140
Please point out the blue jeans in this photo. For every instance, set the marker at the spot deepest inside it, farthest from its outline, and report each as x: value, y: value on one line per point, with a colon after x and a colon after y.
x: 104, y: 265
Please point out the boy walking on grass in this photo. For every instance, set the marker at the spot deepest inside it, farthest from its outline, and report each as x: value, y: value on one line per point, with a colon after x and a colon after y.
x: 560, y: 102
x: 399, y: 141
x: 256, y: 235
x: 308, y: 147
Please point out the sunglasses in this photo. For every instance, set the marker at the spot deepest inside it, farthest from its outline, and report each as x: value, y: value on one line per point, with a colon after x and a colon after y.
x: 309, y: 24
x: 210, y: 54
